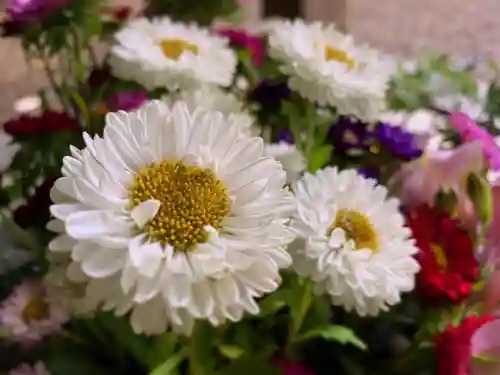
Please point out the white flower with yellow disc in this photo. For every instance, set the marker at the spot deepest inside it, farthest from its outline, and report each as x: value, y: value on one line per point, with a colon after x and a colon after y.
x: 352, y: 241
x: 173, y: 215
x: 213, y: 98
x: 162, y: 53
x: 327, y: 67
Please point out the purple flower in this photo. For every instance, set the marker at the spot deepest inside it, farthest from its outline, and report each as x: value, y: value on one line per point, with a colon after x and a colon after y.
x: 399, y: 142
x: 240, y: 38
x: 370, y: 172
x: 351, y: 134
x: 30, y: 11
x: 126, y: 101
x: 269, y: 94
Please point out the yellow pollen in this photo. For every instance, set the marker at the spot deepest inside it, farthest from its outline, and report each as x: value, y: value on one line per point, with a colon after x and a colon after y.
x: 358, y: 228
x: 191, y: 198
x: 440, y: 256
x: 335, y: 54
x: 174, y: 48
x: 36, y: 309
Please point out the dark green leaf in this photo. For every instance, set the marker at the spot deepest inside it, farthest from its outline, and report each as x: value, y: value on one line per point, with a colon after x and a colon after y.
x: 342, y: 334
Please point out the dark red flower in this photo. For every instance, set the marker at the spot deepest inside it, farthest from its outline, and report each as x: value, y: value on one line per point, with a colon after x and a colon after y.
x: 36, y: 207
x: 453, y: 346
x: 242, y: 39
x: 47, y: 122
x: 446, y: 256
x: 118, y: 13
x: 291, y: 368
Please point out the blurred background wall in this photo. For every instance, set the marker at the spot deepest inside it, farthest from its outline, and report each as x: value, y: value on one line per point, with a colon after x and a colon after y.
x: 406, y: 28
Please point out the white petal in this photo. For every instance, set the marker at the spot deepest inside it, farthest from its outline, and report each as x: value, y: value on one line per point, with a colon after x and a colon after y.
x: 91, y: 224
x: 146, y: 258
x: 144, y: 212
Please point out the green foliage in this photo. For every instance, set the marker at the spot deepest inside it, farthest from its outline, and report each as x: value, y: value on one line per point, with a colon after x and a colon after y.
x: 341, y: 334
x: 202, y: 12
x: 434, y: 76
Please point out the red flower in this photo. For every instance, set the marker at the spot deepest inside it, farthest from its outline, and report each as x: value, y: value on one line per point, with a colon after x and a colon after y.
x: 291, y: 368
x: 447, y: 260
x: 118, y: 13
x: 453, y: 346
x: 242, y: 39
x: 38, y: 203
x: 47, y: 122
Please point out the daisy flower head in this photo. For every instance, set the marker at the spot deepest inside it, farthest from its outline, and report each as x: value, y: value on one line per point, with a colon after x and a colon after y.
x: 173, y: 216
x: 352, y: 241
x: 162, y: 53
x: 29, y: 315
x: 327, y: 67
x: 214, y: 98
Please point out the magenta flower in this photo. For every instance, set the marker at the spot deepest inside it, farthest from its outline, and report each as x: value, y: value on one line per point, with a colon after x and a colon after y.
x: 28, y: 314
x: 30, y: 11
x: 126, y: 100
x: 242, y: 39
x: 25, y: 369
x: 470, y: 131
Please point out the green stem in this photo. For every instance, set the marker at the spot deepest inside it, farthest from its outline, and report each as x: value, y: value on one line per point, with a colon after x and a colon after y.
x: 298, y: 314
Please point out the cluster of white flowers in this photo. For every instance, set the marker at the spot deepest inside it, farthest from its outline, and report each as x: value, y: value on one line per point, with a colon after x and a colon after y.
x: 179, y: 212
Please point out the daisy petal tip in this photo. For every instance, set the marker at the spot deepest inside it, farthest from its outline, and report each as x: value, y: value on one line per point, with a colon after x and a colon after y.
x: 145, y: 211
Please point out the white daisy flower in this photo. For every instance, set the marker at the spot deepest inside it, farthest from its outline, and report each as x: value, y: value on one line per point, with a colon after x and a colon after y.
x: 162, y: 53
x: 173, y: 215
x: 352, y: 241
x: 212, y: 98
x: 292, y: 160
x: 326, y: 67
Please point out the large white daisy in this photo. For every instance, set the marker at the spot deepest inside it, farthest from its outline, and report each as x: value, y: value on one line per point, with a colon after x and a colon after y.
x: 162, y: 53
x: 352, y: 241
x: 173, y: 215
x: 327, y: 67
x: 213, y: 98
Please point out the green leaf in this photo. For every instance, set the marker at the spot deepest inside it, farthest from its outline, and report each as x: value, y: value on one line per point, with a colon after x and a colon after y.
x: 320, y: 156
x: 342, y: 334
x: 252, y: 364
x: 169, y: 367
x: 231, y: 351
x: 274, y: 302
x: 163, y: 346
x: 201, y: 356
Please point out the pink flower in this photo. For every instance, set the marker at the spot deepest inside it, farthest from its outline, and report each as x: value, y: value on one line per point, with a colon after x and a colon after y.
x: 29, y: 315
x: 25, y: 369
x: 422, y: 179
x: 242, y: 39
x: 485, y: 349
x: 470, y: 131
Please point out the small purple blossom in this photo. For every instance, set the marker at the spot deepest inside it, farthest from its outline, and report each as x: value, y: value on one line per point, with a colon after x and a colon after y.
x: 269, y: 94
x: 30, y: 11
x: 351, y: 134
x: 126, y: 101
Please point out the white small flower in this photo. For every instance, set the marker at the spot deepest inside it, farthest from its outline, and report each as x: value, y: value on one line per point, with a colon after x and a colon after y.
x: 352, y: 241
x: 327, y: 67
x: 28, y: 104
x: 213, y: 98
x: 292, y: 160
x: 162, y: 53
x: 172, y: 216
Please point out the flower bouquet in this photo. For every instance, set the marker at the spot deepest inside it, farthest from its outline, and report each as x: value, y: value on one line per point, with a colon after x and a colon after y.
x: 188, y: 199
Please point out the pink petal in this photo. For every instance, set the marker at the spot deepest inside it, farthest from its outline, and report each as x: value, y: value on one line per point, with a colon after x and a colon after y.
x: 486, y: 340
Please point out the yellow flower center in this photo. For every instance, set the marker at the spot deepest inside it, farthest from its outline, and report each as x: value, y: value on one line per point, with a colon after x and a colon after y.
x: 335, y: 54
x: 191, y: 198
x: 174, y: 48
x: 36, y: 309
x: 440, y: 255
x: 358, y: 228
